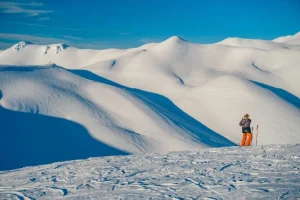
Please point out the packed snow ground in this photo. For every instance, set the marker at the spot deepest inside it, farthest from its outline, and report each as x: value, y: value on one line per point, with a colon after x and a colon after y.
x: 168, y: 96
x: 263, y: 172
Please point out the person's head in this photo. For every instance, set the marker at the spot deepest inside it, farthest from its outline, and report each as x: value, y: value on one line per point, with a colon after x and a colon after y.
x: 246, y: 116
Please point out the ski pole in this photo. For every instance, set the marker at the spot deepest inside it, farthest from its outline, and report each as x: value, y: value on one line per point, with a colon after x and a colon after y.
x: 251, y: 134
x: 256, y: 134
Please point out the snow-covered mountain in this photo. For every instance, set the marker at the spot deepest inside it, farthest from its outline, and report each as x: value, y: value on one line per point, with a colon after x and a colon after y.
x: 128, y: 119
x: 290, y: 39
x: 265, y: 172
x: 167, y: 96
x: 26, y: 53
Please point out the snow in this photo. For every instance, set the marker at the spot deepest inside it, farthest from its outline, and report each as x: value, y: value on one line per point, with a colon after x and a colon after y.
x: 54, y: 98
x: 25, y: 53
x: 160, y: 97
x: 263, y: 172
x: 290, y: 39
x: 216, y: 84
x: 21, y: 45
x: 253, y: 43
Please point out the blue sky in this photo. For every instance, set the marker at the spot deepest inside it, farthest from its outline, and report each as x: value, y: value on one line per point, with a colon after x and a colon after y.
x: 103, y: 24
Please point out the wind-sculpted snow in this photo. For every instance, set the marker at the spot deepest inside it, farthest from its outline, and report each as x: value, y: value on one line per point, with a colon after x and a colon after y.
x: 49, y: 115
x: 169, y: 112
x: 264, y: 172
x: 292, y: 99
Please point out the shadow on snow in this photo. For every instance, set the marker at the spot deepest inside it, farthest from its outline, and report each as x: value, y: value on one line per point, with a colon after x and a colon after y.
x: 30, y: 139
x: 283, y: 94
x: 167, y: 110
x: 5, y: 68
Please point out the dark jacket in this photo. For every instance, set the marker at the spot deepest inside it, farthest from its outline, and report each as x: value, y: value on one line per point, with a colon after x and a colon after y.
x: 245, y: 124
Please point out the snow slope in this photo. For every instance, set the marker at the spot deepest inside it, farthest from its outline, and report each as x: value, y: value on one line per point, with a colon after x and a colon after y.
x: 290, y: 39
x: 265, y: 172
x: 254, y: 43
x: 47, y: 100
x: 216, y: 84
x: 187, y: 95
x: 26, y: 53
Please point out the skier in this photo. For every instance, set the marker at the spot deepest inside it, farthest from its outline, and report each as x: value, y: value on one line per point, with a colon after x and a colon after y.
x: 247, y: 135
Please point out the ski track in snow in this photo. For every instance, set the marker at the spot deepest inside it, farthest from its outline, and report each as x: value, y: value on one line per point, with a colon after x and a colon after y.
x: 264, y: 172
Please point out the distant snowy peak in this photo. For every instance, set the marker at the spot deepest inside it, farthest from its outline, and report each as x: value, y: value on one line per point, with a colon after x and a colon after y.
x: 21, y: 45
x: 290, y: 39
x: 174, y: 40
x: 252, y: 43
x: 170, y: 45
x: 56, y: 48
x: 62, y: 46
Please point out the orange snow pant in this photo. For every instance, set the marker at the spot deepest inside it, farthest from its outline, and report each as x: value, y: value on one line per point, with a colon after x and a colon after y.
x: 246, y: 139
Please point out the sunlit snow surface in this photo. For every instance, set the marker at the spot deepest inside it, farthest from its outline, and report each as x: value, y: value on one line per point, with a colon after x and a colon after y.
x: 264, y: 172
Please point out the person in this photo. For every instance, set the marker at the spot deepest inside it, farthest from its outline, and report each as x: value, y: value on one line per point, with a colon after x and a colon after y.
x: 246, y: 130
